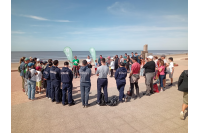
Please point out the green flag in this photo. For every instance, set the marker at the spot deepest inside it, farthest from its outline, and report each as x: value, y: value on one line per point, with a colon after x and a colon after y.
x: 93, y: 53
x: 68, y: 53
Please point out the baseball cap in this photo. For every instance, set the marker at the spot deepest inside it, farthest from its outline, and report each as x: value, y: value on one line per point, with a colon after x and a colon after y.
x: 30, y: 64
x: 27, y: 59
x: 38, y: 67
x: 150, y: 57
x: 163, y: 55
x: 38, y: 59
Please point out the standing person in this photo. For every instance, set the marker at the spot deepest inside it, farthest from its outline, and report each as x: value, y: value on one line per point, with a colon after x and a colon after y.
x: 149, y: 75
x: 171, y: 69
x: 22, y: 72
x: 128, y: 62
x: 31, y: 81
x: 166, y: 65
x: 121, y: 59
x: 116, y: 62
x: 89, y: 62
x: 85, y: 83
x: 43, y: 68
x: 161, y: 71
x: 155, y: 58
x: 132, y: 55
x: 55, y: 82
x: 112, y: 65
x: 125, y: 58
x: 99, y: 60
x: 183, y: 86
x: 38, y: 79
x: 138, y: 57
x: 108, y: 61
x: 96, y: 65
x: 66, y: 79
x: 134, y: 77
x: 141, y: 67
x: 102, y: 81
x: 47, y: 78
x: 75, y: 66
x: 120, y: 77
x: 24, y: 69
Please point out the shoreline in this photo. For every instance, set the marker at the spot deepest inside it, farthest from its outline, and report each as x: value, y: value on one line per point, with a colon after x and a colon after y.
x: 14, y: 65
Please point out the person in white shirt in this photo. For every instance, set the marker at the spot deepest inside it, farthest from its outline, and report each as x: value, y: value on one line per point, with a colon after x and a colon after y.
x: 171, y: 69
x: 112, y: 66
x: 38, y: 79
x: 89, y: 62
x: 121, y: 59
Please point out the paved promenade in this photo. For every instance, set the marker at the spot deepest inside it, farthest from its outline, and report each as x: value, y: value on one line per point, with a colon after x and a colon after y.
x: 158, y: 113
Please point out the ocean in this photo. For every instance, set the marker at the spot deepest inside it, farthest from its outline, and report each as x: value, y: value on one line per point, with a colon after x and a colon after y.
x: 60, y: 55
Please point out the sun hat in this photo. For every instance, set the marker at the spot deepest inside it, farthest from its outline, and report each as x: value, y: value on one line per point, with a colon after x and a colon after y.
x: 38, y: 68
x: 38, y: 59
x: 30, y: 64
x: 150, y: 57
x: 26, y: 59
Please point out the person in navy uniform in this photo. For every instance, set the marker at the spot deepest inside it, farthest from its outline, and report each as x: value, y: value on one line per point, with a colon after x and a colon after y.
x: 55, y: 82
x: 66, y: 79
x: 120, y: 77
x: 46, y: 75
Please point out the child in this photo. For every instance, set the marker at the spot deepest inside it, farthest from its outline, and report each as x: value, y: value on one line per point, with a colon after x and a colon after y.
x: 38, y: 79
x: 96, y: 65
x: 171, y: 69
x: 112, y: 66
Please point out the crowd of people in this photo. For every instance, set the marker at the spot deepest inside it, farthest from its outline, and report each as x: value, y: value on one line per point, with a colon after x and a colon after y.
x: 37, y: 74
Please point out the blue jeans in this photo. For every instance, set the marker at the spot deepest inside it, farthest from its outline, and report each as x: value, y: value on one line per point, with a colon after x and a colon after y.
x: 55, y: 89
x: 102, y: 83
x: 161, y: 77
x: 31, y: 89
x: 48, y: 90
x: 120, y: 88
x: 141, y: 71
x: 130, y: 67
x: 65, y: 88
x: 85, y: 90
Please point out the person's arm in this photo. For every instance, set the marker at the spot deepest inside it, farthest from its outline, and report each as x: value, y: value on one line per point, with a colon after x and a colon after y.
x: 71, y: 75
x: 160, y: 69
x: 90, y: 73
x: 145, y: 66
x: 35, y: 72
x: 97, y: 73
x: 131, y: 73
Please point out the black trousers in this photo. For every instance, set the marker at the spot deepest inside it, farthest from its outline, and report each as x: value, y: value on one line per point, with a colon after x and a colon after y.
x: 136, y: 87
x: 111, y: 72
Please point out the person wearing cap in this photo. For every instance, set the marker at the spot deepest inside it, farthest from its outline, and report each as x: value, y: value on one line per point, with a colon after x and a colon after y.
x: 166, y: 65
x: 102, y: 81
x: 66, y: 79
x: 24, y: 69
x: 46, y: 75
x: 31, y: 83
x: 112, y: 66
x: 38, y: 63
x: 149, y: 75
x: 134, y: 77
x: 55, y: 82
x: 120, y: 77
x: 38, y: 79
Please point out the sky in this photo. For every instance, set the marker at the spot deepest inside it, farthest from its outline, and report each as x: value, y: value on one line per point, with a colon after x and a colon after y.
x: 51, y: 25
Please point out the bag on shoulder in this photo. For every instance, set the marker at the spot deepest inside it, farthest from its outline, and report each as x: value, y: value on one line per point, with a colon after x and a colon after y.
x: 19, y: 70
x: 28, y: 75
x: 113, y: 101
x: 183, y: 81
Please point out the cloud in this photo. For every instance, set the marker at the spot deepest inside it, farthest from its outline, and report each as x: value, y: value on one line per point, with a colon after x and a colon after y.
x: 176, y: 18
x: 75, y: 32
x: 17, y: 32
x: 43, y: 19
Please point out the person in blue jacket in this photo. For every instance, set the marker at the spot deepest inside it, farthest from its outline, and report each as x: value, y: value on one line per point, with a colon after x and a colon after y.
x: 46, y: 75
x: 120, y: 77
x: 66, y: 79
x: 55, y: 82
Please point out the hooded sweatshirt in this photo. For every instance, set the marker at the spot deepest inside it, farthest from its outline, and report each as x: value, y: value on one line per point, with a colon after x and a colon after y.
x: 120, y: 75
x: 46, y: 73
x: 85, y: 74
x: 55, y: 74
x: 66, y: 75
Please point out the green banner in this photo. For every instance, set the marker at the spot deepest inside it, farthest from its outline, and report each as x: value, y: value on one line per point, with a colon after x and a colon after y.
x: 93, y: 53
x: 68, y: 53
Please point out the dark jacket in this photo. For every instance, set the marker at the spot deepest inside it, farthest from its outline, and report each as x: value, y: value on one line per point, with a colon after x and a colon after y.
x: 99, y: 61
x: 116, y: 62
x: 66, y: 75
x: 46, y: 73
x: 149, y: 67
x: 85, y: 74
x: 55, y: 74
x: 120, y: 75
x: 183, y: 81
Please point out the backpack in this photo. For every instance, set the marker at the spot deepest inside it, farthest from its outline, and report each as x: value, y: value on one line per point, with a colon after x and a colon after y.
x: 183, y: 81
x: 28, y: 75
x: 19, y: 70
x: 102, y: 101
x: 113, y: 101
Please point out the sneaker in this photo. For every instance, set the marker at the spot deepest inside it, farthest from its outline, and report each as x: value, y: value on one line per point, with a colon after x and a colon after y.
x: 161, y: 90
x: 57, y: 102
x: 170, y: 84
x: 49, y: 98
x: 83, y: 106
x: 182, y: 115
x: 71, y: 104
x: 86, y: 106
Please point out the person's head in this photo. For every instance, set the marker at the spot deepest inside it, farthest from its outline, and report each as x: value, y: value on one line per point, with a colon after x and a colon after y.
x: 95, y: 60
x: 27, y: 60
x: 30, y: 65
x: 88, y: 57
x: 75, y: 57
x: 84, y: 62
x: 24, y: 58
x: 163, y: 57
x: 128, y: 57
x: 132, y: 53
x: 112, y: 59
x: 120, y: 56
x: 100, y: 55
x: 116, y: 56
x: 170, y: 59
x: 55, y: 62
x: 150, y: 58
x: 35, y: 59
x: 41, y: 63
x: 134, y: 59
x: 162, y: 63
x: 121, y: 64
x: 49, y: 60
x: 66, y: 64
x: 38, y: 68
x: 21, y: 60
x: 136, y: 53
x: 50, y: 64
x: 103, y: 60
x: 38, y: 60
x: 155, y: 57
x: 125, y: 54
